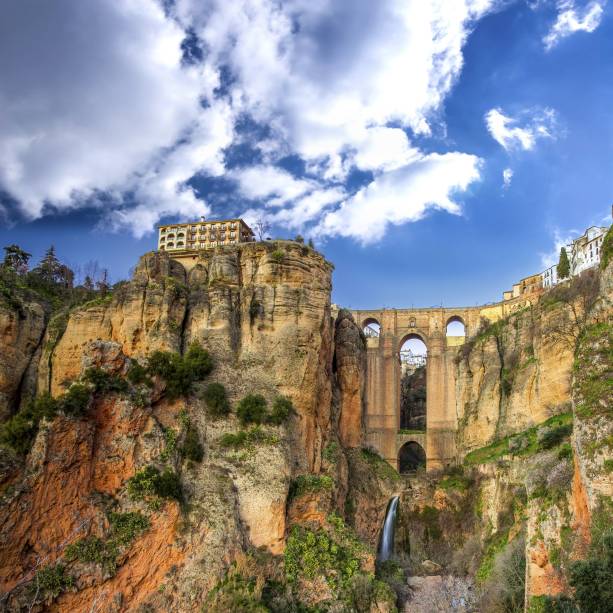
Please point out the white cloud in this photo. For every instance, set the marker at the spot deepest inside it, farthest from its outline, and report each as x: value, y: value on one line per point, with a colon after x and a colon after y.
x: 97, y: 100
x: 100, y: 103
x: 507, y: 176
x: 560, y: 240
x: 523, y: 131
x: 571, y: 19
x: 403, y: 195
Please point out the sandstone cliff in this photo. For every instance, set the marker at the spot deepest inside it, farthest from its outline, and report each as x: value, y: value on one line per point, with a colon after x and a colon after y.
x: 262, y: 311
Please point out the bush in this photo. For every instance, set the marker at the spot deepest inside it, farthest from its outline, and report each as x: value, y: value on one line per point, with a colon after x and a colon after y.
x: 549, y: 437
x: 216, y: 400
x: 192, y: 449
x: 125, y: 527
x: 247, y: 438
x: 150, y: 483
x: 593, y: 579
x: 503, y: 591
x: 282, y: 408
x: 180, y: 372
x: 20, y: 430
x: 303, y: 484
x: 309, y: 555
x: 104, y: 382
x: 94, y: 550
x: 278, y: 255
x: 138, y: 375
x: 76, y: 400
x: 51, y: 581
x: 252, y: 409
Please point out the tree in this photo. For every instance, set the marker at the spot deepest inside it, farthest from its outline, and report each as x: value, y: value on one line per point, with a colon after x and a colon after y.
x: 262, y: 227
x: 16, y: 259
x: 311, y: 244
x: 563, y: 267
x: 299, y: 239
x: 103, y: 285
x: 88, y: 284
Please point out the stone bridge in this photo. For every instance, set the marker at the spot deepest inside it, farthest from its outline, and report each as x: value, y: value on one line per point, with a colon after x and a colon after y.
x: 382, y: 417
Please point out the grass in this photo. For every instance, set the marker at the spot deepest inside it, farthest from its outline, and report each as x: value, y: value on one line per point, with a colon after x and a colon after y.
x: 247, y: 438
x: 523, y: 443
x: 305, y: 484
x: 382, y: 468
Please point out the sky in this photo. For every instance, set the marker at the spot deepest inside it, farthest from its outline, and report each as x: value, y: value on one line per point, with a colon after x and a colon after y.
x: 436, y: 151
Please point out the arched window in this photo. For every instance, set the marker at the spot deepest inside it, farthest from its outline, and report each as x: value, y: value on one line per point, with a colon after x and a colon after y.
x: 371, y: 328
x: 411, y: 457
x: 456, y: 327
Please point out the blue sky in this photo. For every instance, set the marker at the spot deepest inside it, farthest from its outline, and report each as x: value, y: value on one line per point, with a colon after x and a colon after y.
x: 435, y: 151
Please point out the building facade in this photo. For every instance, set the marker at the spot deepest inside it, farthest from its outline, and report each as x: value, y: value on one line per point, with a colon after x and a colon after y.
x: 583, y: 254
x: 203, y: 234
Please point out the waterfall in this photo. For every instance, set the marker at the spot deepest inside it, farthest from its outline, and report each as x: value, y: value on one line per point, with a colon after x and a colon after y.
x: 386, y: 544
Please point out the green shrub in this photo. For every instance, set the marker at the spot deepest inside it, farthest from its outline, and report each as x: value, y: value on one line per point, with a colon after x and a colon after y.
x: 309, y: 555
x: 303, y: 484
x: 76, y: 400
x: 383, y: 469
x: 93, y: 549
x: 192, y: 449
x: 20, y: 430
x: 282, y: 408
x: 138, y: 375
x: 592, y: 579
x: 331, y: 452
x: 550, y: 437
x: 105, y: 382
x: 51, y: 581
x: 125, y: 527
x: 252, y: 409
x: 150, y: 483
x: 606, y: 249
x: 278, y: 255
x: 180, y: 372
x: 247, y: 438
x: 216, y: 400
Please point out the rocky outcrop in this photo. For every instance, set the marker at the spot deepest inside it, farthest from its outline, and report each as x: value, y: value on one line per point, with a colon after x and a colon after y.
x: 350, y: 368
x: 22, y: 325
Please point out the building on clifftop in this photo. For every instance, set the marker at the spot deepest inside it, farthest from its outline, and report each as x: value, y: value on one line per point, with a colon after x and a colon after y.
x: 197, y: 235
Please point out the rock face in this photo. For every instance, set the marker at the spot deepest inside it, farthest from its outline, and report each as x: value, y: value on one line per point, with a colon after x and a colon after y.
x: 21, y: 331
x: 263, y: 313
x: 514, y: 375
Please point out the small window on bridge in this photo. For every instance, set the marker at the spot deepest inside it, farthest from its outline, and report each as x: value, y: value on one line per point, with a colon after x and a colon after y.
x: 456, y: 327
x: 371, y: 328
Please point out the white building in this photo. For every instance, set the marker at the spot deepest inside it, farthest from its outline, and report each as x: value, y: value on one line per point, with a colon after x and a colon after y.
x: 583, y: 253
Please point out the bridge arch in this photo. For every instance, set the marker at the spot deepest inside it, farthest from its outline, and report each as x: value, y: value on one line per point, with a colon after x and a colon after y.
x: 455, y: 326
x: 371, y: 327
x: 411, y: 456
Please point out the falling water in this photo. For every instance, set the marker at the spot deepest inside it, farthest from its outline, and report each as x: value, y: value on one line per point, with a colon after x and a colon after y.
x: 386, y: 544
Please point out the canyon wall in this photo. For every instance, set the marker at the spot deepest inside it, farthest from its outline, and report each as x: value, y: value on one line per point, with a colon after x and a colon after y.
x: 262, y: 311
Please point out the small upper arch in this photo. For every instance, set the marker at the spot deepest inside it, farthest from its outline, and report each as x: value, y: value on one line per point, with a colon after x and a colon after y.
x: 455, y: 326
x: 371, y: 327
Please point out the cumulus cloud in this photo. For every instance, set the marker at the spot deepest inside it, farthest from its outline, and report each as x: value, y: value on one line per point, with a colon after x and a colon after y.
x: 507, y: 177
x: 102, y: 106
x: 403, y: 195
x: 521, y: 132
x: 572, y: 18
x: 98, y: 100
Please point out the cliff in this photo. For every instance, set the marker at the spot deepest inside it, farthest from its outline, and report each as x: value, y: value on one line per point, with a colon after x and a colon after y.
x: 82, y: 519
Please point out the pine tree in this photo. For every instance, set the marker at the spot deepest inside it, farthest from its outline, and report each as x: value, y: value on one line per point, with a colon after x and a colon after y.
x: 48, y: 268
x: 16, y: 259
x: 563, y: 267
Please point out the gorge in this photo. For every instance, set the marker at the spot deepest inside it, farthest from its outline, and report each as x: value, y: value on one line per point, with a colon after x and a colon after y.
x: 224, y: 439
